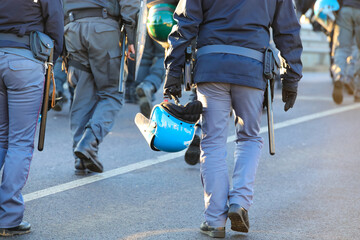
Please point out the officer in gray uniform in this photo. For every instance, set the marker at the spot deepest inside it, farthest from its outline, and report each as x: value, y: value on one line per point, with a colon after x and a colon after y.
x: 151, y: 74
x: 21, y: 94
x: 346, y: 28
x: 232, y: 37
x: 92, y: 33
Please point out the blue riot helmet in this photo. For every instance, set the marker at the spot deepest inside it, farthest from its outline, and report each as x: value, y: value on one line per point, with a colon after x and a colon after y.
x: 324, y: 13
x: 171, y: 127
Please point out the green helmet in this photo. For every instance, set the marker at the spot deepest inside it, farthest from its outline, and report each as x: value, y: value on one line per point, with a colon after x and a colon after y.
x: 160, y: 22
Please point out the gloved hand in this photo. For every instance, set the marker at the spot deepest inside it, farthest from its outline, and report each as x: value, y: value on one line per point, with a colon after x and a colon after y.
x: 172, y: 86
x: 289, y: 93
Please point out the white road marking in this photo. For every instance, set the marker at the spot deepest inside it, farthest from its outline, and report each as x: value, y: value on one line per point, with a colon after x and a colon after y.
x: 169, y: 156
x: 310, y: 98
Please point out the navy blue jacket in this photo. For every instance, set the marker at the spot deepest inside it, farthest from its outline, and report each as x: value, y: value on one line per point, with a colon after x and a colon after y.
x: 243, y: 23
x: 351, y: 3
x: 24, y: 16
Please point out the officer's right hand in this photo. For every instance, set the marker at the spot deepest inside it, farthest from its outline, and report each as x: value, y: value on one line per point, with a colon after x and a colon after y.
x: 289, y: 93
x: 172, y: 86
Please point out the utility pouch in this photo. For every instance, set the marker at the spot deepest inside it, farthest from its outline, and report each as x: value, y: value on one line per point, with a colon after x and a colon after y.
x: 41, y: 45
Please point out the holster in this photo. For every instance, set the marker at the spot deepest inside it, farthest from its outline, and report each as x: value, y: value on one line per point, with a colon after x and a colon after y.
x: 41, y: 45
x: 272, y: 67
x: 188, y: 69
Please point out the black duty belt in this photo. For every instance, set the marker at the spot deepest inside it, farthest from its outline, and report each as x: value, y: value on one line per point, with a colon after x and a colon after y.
x: 15, y: 38
x: 89, y: 12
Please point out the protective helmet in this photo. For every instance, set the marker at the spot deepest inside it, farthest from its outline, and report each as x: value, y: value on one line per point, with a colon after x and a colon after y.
x: 160, y: 22
x: 324, y: 13
x: 171, y: 127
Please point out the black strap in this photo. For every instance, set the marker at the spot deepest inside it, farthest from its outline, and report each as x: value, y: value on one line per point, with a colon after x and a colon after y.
x: 88, y: 12
x: 78, y: 65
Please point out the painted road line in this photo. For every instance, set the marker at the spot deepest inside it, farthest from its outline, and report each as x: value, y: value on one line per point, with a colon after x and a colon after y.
x: 169, y: 156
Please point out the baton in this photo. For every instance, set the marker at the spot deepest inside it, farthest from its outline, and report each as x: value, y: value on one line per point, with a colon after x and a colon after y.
x: 45, y: 104
x: 122, y: 62
x: 270, y: 119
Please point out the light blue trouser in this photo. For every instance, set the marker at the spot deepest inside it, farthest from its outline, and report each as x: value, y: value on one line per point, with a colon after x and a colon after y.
x: 94, y: 42
x: 21, y: 92
x: 347, y: 27
x: 218, y: 99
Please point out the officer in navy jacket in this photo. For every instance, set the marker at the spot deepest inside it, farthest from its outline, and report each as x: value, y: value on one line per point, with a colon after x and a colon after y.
x: 21, y: 94
x: 232, y: 80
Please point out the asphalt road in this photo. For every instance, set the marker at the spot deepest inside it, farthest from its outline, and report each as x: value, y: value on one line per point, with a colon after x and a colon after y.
x: 308, y: 190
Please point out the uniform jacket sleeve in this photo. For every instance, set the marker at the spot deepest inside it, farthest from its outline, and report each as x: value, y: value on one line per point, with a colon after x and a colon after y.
x: 286, y: 29
x: 128, y: 11
x: 189, y: 15
x: 54, y: 23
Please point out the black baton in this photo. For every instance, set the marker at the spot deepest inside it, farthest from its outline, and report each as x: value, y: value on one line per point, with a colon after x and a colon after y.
x: 269, y: 75
x: 45, y: 104
x: 270, y: 119
x: 122, y: 63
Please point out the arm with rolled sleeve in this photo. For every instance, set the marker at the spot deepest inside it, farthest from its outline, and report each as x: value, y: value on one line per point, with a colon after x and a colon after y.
x: 54, y: 23
x: 286, y: 30
x: 128, y: 12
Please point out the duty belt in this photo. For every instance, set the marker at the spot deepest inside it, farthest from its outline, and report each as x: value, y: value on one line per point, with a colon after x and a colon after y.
x: 89, y: 12
x: 15, y: 38
x: 242, y: 51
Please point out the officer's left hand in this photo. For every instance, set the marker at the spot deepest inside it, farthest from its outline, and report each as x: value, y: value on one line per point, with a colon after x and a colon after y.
x: 289, y: 94
x: 172, y: 86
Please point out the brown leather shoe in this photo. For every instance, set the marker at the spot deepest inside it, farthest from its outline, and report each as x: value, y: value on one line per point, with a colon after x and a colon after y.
x: 213, y: 232
x: 23, y: 228
x: 239, y: 218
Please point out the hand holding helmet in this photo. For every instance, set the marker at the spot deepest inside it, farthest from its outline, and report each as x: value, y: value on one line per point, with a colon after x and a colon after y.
x: 172, y: 86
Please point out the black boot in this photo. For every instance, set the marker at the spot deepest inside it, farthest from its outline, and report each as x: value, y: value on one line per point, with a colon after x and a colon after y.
x: 145, y: 92
x: 80, y: 167
x: 338, y: 90
x: 23, y: 228
x: 192, y: 154
x: 87, y: 151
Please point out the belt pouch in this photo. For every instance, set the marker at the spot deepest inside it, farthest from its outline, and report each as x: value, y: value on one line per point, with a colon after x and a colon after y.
x: 40, y: 45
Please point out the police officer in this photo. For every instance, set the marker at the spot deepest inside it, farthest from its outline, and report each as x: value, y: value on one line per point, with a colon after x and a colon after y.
x: 231, y: 39
x: 346, y: 28
x: 21, y: 93
x: 92, y: 34
x: 150, y: 76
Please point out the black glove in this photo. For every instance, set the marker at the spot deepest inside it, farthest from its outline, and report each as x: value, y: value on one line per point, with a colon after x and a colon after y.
x: 289, y: 93
x: 130, y: 34
x: 172, y: 86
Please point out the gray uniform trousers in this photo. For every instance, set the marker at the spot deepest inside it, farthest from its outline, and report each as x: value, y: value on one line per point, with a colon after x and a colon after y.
x: 217, y: 100
x: 347, y: 26
x: 21, y: 92
x: 94, y: 42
